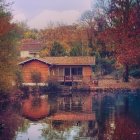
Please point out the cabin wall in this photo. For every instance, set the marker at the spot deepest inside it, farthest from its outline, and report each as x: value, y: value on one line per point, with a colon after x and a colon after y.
x: 87, y: 71
x: 36, y: 66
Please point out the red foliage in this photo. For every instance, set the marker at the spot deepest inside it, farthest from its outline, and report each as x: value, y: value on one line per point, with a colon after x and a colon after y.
x: 5, y: 25
x: 125, y: 38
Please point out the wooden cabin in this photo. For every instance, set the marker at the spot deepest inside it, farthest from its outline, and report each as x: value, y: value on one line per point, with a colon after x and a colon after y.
x: 60, y: 69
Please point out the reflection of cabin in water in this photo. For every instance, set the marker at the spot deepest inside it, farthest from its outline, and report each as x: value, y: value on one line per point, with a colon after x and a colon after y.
x: 77, y: 111
x: 60, y: 69
x: 75, y: 107
x: 75, y: 102
x: 59, y: 118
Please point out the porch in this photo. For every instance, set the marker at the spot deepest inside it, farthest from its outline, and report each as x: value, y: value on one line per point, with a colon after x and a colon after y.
x: 73, y: 78
x: 72, y: 74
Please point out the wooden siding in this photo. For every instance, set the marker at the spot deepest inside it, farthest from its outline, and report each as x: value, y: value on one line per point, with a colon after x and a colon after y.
x: 36, y: 66
x: 87, y: 71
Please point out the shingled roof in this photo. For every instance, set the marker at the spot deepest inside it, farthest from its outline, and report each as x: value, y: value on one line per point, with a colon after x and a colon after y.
x: 81, y: 60
x: 31, y: 45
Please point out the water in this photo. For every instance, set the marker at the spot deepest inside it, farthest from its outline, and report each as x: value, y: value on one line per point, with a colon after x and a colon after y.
x: 76, y: 116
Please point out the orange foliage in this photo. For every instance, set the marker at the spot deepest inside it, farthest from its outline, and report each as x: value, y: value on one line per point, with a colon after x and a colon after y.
x: 65, y: 35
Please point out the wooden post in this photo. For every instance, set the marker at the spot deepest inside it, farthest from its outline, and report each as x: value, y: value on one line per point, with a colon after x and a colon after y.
x: 70, y: 104
x: 90, y: 78
x: 64, y: 80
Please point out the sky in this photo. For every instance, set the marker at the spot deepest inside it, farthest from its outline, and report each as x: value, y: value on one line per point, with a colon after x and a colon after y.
x: 40, y: 13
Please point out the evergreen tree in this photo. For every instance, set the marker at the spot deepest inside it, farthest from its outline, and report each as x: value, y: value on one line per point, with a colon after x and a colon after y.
x: 57, y: 50
x: 76, y: 50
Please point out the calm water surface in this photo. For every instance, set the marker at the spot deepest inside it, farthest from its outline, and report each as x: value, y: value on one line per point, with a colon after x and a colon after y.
x: 76, y: 116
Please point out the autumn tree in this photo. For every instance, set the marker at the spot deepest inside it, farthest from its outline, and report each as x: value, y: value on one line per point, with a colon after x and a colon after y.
x: 123, y: 32
x: 31, y: 33
x: 7, y: 48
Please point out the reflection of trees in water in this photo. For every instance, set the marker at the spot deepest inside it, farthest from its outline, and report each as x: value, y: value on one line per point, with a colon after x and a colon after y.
x: 126, y: 128
x: 63, y: 130
x: 56, y: 130
x: 118, y: 116
x: 36, y: 107
x: 36, y: 102
x: 134, y: 107
x: 104, y: 107
x: 10, y: 121
x: 24, y: 126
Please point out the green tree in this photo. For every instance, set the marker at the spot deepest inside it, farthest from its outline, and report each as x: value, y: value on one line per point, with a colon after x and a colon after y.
x: 18, y: 78
x: 57, y: 50
x: 76, y: 50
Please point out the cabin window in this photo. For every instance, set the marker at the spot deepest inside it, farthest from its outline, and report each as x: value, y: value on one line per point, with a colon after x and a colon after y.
x: 77, y: 71
x: 74, y: 71
x: 67, y: 71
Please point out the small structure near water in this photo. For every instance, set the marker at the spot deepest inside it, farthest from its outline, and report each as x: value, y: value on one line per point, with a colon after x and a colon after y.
x: 62, y: 70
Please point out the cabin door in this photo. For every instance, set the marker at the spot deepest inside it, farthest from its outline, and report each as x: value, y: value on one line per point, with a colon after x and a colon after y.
x: 67, y: 72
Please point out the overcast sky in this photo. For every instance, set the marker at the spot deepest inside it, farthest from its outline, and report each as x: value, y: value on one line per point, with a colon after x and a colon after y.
x: 39, y: 13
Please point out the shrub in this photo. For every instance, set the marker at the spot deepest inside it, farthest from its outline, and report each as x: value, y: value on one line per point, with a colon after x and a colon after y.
x: 36, y: 77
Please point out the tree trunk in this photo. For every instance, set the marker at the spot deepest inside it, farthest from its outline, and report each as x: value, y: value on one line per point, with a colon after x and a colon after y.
x: 126, y: 74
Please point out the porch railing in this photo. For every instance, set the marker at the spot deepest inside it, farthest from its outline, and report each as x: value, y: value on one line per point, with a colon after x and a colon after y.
x: 74, y: 78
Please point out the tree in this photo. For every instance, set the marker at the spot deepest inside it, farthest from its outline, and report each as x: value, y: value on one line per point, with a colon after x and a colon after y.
x: 89, y: 23
x: 57, y: 50
x: 36, y: 77
x: 18, y: 78
x: 76, y: 50
x: 123, y: 32
x: 65, y: 35
x: 7, y: 49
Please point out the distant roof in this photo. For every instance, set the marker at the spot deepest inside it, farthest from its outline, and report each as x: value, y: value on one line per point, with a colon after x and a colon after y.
x: 30, y: 45
x: 81, y: 60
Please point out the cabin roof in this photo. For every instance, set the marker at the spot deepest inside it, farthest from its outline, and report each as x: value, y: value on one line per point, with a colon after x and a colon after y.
x: 81, y: 60
x: 31, y: 46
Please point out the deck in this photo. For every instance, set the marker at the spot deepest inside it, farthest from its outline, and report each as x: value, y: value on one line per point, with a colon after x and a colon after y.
x: 71, y: 78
